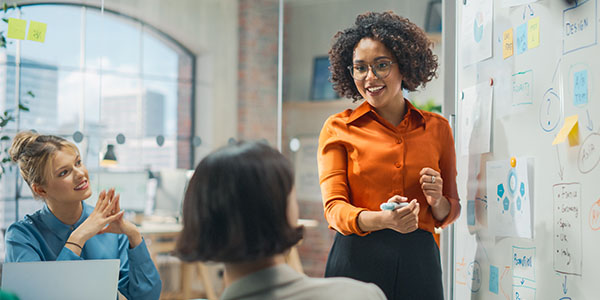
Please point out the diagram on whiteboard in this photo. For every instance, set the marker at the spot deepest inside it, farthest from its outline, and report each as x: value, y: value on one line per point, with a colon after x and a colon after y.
x: 509, y: 209
x: 476, y: 33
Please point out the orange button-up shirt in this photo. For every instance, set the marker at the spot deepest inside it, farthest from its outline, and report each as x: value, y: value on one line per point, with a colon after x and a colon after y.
x: 364, y: 160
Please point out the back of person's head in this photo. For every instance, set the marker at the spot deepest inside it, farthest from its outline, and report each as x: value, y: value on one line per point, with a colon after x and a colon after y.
x: 33, y: 153
x: 236, y: 206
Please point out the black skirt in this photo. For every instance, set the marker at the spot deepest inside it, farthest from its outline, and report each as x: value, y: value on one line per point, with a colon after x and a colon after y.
x: 404, y: 266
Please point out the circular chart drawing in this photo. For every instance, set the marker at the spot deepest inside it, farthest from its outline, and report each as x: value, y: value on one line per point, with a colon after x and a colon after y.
x: 589, y: 153
x: 512, y: 181
x: 474, y: 271
x: 550, y: 110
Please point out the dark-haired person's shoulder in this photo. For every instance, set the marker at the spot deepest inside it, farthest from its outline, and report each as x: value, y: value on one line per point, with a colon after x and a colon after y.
x: 343, y: 288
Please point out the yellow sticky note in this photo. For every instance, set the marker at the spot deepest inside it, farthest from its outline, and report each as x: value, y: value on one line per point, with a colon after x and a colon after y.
x: 37, y: 31
x: 16, y: 28
x: 533, y: 32
x: 507, y: 43
x: 570, y: 129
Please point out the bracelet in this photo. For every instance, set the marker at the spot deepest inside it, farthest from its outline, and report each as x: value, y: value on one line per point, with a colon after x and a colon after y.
x: 75, y: 244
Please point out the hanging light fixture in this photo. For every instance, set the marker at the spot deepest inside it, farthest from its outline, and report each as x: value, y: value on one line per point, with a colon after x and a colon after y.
x: 109, y: 157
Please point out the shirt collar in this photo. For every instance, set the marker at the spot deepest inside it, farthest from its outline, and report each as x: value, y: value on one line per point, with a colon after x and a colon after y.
x: 59, y: 228
x: 266, y: 279
x: 413, y: 112
x: 365, y: 107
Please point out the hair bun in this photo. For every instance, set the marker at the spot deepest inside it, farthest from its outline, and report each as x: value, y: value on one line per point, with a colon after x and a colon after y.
x: 20, y: 143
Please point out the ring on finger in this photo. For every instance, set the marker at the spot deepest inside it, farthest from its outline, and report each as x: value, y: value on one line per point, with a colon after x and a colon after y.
x: 432, y: 179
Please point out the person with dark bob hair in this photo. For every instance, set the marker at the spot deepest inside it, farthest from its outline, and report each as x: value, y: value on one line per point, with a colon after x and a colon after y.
x: 387, y: 170
x: 239, y: 209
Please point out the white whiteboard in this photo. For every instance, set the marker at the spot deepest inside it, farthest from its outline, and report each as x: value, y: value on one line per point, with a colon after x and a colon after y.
x: 534, y: 91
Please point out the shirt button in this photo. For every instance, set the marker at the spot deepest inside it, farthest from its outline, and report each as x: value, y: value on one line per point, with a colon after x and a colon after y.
x: 398, y: 141
x: 397, y: 165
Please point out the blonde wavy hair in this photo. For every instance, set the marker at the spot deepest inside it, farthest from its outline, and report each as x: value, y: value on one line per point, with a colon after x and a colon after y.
x: 34, y: 152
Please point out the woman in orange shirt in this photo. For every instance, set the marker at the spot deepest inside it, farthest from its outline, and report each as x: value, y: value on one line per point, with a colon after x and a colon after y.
x: 386, y: 150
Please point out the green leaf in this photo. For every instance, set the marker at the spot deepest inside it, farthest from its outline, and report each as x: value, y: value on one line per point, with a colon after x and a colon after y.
x: 5, y: 138
x: 23, y: 107
x: 5, y: 20
x: 5, y: 160
x: 5, y: 6
x: 30, y: 93
x: 4, y: 121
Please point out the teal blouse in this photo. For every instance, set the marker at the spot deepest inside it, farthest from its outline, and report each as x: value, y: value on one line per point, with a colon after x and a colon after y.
x: 41, y: 237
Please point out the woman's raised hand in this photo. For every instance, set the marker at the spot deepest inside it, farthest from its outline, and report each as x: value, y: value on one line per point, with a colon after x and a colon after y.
x: 120, y: 225
x: 104, y: 213
x: 431, y: 184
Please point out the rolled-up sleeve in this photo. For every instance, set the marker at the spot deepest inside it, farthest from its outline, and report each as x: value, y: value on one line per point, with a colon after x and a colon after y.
x: 448, y: 173
x: 332, y: 163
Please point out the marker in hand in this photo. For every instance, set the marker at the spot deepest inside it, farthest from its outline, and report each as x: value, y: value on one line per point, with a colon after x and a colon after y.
x: 392, y: 205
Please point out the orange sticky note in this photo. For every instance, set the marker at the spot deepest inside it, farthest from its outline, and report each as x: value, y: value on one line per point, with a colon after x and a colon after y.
x: 570, y: 129
x: 37, y: 31
x: 507, y: 43
x: 16, y: 28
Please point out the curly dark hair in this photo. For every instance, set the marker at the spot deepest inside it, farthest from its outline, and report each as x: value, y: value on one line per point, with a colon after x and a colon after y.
x: 409, y: 44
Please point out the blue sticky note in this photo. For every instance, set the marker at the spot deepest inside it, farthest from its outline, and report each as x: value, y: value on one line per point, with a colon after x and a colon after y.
x: 471, y: 212
x: 494, y: 279
x: 522, y: 38
x: 580, y: 88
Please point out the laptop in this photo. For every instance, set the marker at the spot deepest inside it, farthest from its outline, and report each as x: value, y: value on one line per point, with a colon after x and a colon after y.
x: 65, y: 280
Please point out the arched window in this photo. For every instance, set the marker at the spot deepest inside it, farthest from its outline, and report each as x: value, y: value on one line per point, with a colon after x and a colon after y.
x: 105, y: 77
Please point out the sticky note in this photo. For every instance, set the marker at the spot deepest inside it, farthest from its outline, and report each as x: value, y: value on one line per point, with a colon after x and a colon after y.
x: 522, y: 38
x: 471, y: 212
x: 16, y: 29
x: 533, y: 32
x: 37, y: 31
x: 570, y: 129
x: 494, y: 279
x: 580, y: 88
x: 507, y: 43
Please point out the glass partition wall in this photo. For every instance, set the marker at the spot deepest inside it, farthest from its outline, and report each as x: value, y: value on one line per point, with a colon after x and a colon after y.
x: 102, y: 80
x: 144, y: 89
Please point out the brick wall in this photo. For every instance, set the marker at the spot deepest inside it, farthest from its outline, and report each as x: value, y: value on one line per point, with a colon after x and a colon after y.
x: 257, y: 111
x: 257, y: 70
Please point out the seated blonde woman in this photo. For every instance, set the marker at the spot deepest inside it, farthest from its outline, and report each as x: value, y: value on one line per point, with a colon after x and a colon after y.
x: 66, y: 228
x: 238, y: 210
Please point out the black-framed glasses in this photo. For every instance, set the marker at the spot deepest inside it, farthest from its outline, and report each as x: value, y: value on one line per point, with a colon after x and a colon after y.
x: 381, y: 69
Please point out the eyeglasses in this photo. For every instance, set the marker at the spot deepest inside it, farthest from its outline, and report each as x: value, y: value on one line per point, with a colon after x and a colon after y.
x: 381, y: 69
